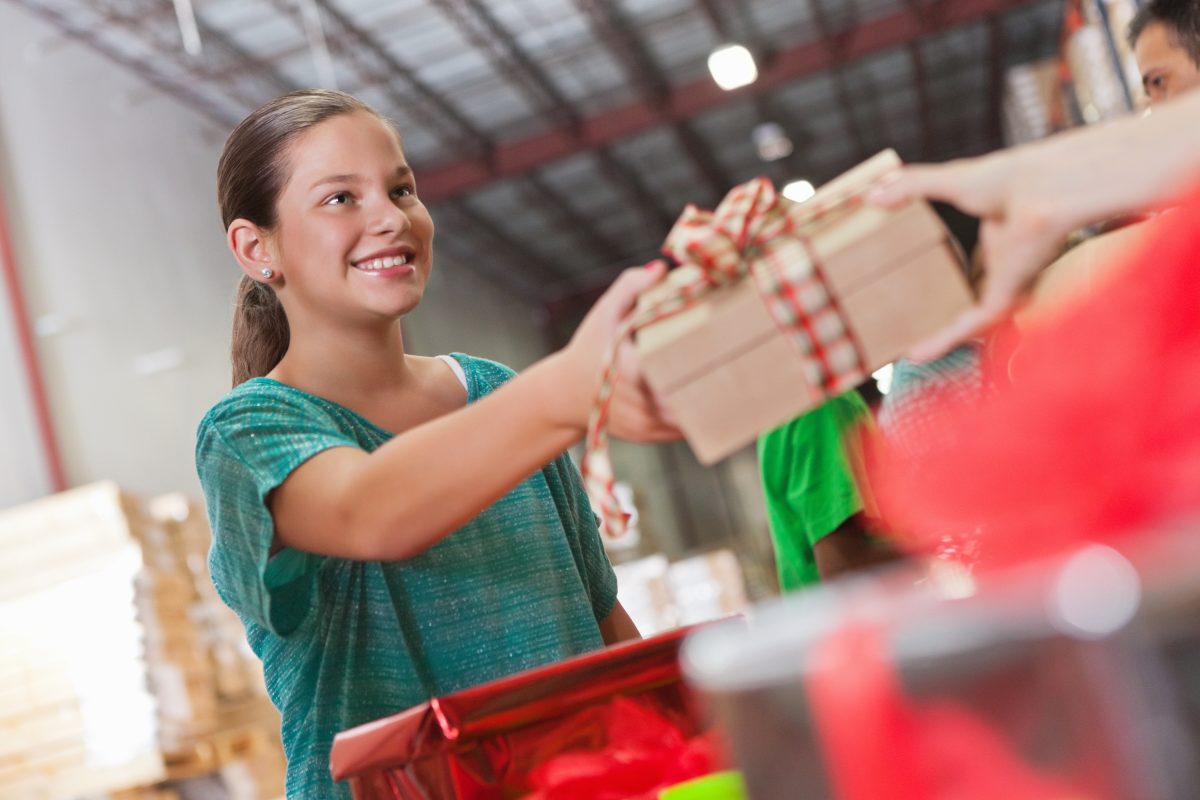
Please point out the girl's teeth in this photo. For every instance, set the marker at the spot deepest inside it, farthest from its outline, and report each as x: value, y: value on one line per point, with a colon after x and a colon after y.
x: 384, y: 263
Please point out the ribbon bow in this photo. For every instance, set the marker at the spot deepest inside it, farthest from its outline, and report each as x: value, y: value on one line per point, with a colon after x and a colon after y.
x: 754, y: 232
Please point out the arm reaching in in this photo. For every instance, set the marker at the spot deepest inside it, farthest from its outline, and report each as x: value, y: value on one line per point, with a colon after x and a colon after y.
x: 1029, y: 198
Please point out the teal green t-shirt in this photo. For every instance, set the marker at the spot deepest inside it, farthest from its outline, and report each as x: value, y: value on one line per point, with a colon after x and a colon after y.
x: 808, y: 484
x: 522, y: 584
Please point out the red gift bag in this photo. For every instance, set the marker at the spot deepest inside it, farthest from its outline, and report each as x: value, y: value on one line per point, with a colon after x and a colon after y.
x: 566, y: 729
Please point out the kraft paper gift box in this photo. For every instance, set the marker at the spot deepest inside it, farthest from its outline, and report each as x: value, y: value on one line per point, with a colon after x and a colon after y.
x: 814, y: 297
x: 484, y: 742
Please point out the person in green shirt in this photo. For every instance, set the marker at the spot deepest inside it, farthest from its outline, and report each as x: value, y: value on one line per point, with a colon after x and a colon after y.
x: 814, y: 505
x: 388, y: 527
x: 811, y: 466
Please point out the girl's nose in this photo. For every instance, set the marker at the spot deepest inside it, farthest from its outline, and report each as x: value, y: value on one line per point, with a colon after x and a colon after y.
x: 388, y: 218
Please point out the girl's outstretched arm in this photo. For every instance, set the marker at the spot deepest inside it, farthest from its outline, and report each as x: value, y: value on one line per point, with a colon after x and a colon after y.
x: 418, y: 487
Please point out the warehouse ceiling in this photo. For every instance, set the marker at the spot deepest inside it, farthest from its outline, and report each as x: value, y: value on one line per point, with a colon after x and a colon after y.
x: 556, y: 140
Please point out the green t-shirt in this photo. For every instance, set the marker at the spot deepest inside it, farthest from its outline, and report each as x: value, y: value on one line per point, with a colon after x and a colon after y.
x: 809, y: 484
x: 522, y: 584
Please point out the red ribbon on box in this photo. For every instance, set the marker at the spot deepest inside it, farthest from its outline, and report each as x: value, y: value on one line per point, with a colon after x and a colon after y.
x: 720, y: 247
x: 489, y: 741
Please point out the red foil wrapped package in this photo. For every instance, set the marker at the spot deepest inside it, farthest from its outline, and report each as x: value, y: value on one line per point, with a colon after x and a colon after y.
x: 563, y: 730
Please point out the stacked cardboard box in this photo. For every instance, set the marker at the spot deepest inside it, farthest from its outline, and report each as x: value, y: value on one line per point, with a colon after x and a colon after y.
x: 659, y: 595
x: 236, y: 671
x: 76, y: 713
x: 178, y: 669
x: 120, y: 668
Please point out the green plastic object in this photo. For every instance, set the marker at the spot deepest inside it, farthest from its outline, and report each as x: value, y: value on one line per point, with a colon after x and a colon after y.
x: 718, y: 786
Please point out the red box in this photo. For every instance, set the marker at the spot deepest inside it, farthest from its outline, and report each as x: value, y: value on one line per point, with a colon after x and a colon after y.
x: 483, y: 742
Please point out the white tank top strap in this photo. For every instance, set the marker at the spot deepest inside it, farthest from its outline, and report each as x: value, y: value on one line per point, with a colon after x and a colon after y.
x: 456, y: 368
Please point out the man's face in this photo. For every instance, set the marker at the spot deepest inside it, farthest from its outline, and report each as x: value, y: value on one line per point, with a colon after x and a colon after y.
x: 1167, y: 69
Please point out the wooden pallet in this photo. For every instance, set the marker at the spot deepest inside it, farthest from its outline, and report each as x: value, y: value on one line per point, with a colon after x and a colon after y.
x: 209, y: 754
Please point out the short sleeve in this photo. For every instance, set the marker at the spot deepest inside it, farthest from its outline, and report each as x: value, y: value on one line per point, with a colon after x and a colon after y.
x: 808, y: 482
x: 579, y: 521
x: 245, y: 448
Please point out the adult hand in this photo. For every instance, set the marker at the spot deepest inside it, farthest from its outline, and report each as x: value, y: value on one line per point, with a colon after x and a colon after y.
x: 1019, y: 233
x: 1030, y: 198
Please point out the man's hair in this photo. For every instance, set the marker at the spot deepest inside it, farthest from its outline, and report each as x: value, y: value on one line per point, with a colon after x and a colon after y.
x: 1181, y: 17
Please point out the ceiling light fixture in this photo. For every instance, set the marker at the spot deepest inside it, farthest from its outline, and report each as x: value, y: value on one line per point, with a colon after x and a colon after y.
x: 798, y: 191
x: 771, y: 141
x: 732, y: 67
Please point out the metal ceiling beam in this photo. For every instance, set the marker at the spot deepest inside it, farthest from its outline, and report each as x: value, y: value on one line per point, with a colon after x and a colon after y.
x: 794, y: 165
x: 611, y: 27
x: 836, y: 41
x: 481, y: 28
x: 549, y: 276
x: 468, y: 137
x: 166, y: 41
x: 523, y: 287
x: 584, y: 230
x: 685, y: 102
x: 924, y: 108
x: 258, y: 82
x: 395, y: 19
x: 917, y: 63
x: 449, y: 120
x: 508, y: 56
x: 995, y: 126
x: 182, y: 92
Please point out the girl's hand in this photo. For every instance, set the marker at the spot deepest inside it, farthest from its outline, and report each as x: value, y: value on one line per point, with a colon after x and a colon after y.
x: 635, y: 413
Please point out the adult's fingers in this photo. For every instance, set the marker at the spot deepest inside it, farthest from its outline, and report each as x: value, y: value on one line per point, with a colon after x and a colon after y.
x: 966, y: 325
x: 1013, y: 255
x: 929, y: 181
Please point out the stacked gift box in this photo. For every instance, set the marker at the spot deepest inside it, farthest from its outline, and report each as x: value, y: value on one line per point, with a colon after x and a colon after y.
x: 778, y: 305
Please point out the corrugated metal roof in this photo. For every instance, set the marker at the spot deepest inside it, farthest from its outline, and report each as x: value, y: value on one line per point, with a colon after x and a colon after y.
x: 464, y: 77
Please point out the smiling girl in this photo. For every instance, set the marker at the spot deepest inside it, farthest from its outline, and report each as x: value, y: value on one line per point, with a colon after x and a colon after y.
x: 389, y: 527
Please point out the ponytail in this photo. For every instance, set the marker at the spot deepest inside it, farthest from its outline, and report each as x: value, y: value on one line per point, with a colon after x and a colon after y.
x: 260, y: 331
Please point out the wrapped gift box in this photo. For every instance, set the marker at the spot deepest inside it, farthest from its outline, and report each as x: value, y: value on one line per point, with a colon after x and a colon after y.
x: 483, y: 743
x: 870, y: 284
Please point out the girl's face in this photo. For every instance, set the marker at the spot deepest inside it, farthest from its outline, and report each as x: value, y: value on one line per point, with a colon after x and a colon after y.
x: 354, y: 242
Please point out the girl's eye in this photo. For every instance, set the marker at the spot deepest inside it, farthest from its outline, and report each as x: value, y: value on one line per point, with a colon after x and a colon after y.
x: 339, y: 199
x: 403, y: 191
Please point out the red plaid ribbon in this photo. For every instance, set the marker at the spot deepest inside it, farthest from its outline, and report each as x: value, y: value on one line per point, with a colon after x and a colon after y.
x: 753, y: 231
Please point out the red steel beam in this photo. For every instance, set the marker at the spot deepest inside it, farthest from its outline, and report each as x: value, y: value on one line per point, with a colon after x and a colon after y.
x: 33, y: 372
x: 444, y: 181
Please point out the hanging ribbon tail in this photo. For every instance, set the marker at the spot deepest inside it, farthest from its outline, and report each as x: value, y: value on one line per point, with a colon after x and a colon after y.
x: 597, y: 468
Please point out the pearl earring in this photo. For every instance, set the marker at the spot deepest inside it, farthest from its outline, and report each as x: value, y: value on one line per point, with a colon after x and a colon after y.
x: 268, y: 273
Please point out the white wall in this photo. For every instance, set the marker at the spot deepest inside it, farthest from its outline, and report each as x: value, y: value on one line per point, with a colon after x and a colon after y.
x: 111, y: 193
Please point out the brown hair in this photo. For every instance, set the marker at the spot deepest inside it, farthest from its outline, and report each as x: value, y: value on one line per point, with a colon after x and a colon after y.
x: 1181, y: 18
x: 250, y: 175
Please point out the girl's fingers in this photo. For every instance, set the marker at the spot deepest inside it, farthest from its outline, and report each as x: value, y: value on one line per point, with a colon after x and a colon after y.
x: 623, y: 294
